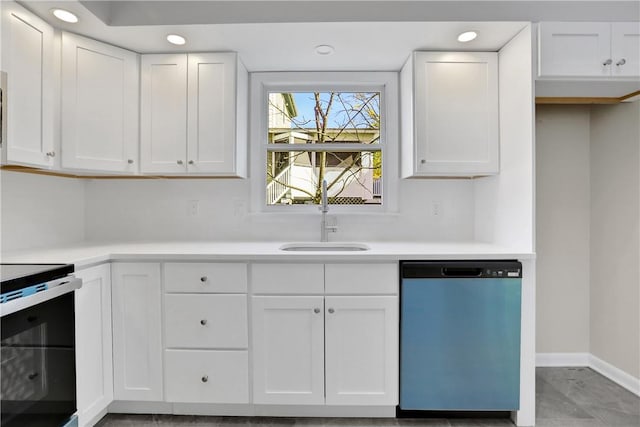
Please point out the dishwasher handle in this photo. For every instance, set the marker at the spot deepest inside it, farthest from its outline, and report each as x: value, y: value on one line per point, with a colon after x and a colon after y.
x: 462, y: 271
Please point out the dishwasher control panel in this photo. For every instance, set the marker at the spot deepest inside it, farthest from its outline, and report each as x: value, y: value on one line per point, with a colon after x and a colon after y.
x: 461, y: 269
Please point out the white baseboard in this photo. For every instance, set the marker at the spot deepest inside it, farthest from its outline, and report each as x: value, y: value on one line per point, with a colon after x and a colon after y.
x: 616, y: 375
x: 548, y: 360
x: 606, y: 369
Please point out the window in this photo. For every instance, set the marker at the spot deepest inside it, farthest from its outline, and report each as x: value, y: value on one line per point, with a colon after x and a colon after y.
x: 315, y: 128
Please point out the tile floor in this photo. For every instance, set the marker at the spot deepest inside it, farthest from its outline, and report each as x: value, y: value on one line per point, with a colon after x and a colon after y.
x: 565, y: 397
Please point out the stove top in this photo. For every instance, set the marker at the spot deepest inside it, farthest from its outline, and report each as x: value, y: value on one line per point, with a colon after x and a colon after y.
x: 19, y: 276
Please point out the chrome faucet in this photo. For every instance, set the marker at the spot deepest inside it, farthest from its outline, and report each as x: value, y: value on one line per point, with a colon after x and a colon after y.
x: 324, y: 228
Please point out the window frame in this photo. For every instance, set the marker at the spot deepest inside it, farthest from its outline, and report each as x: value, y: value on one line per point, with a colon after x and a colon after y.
x: 263, y: 83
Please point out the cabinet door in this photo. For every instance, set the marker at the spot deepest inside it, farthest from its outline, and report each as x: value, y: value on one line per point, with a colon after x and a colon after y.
x: 163, y: 133
x: 212, y: 113
x: 99, y: 106
x: 27, y: 57
x: 578, y: 49
x: 94, y: 365
x: 456, y: 113
x: 361, y: 351
x: 288, y: 350
x: 625, y: 49
x: 137, y: 331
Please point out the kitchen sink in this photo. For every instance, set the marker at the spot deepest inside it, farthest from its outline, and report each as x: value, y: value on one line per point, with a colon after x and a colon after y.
x: 324, y: 247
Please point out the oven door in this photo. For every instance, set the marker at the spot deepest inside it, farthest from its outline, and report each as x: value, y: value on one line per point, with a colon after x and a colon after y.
x: 38, y: 379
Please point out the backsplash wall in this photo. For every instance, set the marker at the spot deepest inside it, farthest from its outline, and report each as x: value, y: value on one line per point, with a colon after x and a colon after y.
x: 40, y: 211
x: 159, y: 210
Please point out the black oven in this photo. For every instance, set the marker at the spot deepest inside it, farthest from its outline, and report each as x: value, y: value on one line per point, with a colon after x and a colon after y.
x: 37, y: 378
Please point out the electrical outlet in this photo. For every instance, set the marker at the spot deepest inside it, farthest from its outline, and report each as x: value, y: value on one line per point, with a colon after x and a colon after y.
x: 436, y: 208
x: 238, y: 207
x: 193, y: 207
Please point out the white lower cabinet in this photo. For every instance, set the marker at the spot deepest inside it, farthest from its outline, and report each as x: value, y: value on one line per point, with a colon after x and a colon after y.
x: 206, y: 333
x: 326, y: 349
x: 361, y: 350
x: 205, y: 321
x: 317, y: 337
x: 94, y: 365
x: 288, y: 350
x: 137, y: 331
x: 204, y: 376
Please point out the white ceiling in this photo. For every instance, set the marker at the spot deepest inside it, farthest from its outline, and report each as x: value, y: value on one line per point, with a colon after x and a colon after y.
x: 281, y: 35
x: 290, y: 46
x: 153, y: 12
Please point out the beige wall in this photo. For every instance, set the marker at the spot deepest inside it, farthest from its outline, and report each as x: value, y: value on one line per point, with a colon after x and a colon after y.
x: 588, y: 232
x: 562, y: 228
x: 615, y: 235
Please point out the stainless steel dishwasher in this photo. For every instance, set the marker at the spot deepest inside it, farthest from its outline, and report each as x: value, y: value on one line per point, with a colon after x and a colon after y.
x: 460, y: 335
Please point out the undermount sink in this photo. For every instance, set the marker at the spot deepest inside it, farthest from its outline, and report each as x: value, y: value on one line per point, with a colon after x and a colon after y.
x: 324, y: 246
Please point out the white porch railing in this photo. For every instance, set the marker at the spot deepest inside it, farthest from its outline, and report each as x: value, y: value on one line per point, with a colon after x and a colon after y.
x: 377, y: 187
x: 279, y: 186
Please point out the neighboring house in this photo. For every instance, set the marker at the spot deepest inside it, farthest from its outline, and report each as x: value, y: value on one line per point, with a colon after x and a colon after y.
x: 287, y: 172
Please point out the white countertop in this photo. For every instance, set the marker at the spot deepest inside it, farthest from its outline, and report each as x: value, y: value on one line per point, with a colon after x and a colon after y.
x: 90, y: 253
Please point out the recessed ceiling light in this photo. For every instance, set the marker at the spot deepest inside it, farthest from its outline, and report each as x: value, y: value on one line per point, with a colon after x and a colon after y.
x: 176, y: 39
x: 324, y: 49
x: 65, y: 15
x: 467, y: 36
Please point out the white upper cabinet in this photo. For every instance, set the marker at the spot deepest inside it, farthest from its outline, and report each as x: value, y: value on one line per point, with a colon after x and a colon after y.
x: 449, y: 104
x: 194, y: 110
x: 625, y: 49
x: 163, y: 121
x: 589, y: 49
x: 27, y: 57
x: 99, y: 106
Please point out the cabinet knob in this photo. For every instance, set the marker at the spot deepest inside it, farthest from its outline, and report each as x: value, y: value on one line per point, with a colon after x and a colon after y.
x: 203, y: 322
x: 203, y: 279
x: 316, y: 310
x: 191, y: 162
x: 130, y: 161
x: 423, y: 161
x: 180, y: 162
x: 205, y: 378
x: 607, y: 62
x: 331, y: 311
x: 621, y: 62
x: 51, y: 154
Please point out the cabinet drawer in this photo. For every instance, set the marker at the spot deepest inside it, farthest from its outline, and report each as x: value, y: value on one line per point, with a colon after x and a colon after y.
x: 287, y: 278
x: 205, y: 321
x: 205, y: 277
x: 361, y: 278
x: 200, y: 376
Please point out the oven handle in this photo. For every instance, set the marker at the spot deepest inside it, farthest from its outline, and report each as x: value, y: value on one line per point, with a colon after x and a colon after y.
x: 66, y: 285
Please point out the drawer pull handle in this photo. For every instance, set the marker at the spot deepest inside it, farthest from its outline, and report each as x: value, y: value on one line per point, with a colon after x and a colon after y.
x: 203, y: 322
x: 205, y: 378
x: 203, y: 279
x: 621, y: 62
